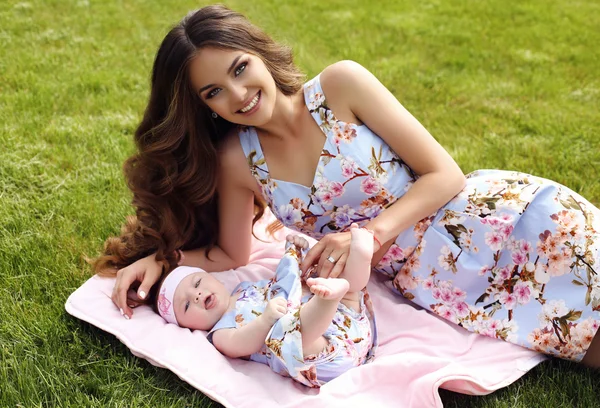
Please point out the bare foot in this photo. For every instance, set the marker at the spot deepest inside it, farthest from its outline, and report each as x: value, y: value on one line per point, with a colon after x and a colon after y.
x: 328, y: 288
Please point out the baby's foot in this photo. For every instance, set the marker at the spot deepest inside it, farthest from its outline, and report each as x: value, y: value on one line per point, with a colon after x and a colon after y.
x: 328, y: 288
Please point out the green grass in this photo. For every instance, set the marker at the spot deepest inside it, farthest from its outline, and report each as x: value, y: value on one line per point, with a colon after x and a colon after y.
x: 501, y: 84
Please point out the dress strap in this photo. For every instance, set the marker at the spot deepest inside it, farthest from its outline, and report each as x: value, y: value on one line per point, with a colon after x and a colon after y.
x: 317, y: 104
x: 254, y: 154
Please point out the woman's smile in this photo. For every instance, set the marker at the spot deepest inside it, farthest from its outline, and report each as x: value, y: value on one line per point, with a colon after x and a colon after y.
x: 251, y: 106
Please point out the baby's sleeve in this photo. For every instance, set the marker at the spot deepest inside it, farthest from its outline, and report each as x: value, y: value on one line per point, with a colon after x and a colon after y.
x: 226, y: 322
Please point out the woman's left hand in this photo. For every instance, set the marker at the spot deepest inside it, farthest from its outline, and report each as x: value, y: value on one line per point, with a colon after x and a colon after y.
x: 331, y: 253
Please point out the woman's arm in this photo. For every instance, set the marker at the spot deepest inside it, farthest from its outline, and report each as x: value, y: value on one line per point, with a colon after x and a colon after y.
x: 236, y: 211
x: 250, y: 338
x: 354, y: 93
x: 440, y: 177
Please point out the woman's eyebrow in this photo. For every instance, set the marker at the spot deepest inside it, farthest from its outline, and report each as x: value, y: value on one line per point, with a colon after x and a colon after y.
x: 204, y: 88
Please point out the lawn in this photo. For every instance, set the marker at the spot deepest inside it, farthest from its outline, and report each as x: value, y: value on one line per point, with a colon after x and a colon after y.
x: 501, y: 84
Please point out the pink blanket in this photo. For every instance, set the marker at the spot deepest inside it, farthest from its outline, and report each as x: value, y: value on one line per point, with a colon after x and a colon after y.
x: 418, y: 352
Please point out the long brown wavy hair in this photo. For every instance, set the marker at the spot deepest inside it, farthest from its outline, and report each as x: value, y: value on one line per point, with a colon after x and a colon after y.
x: 173, y: 174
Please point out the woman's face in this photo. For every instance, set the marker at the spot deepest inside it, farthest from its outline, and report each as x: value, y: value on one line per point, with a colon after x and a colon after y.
x: 235, y: 85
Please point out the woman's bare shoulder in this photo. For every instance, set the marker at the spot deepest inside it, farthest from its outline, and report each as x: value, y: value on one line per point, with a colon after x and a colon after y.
x: 338, y: 81
x: 232, y: 161
x: 342, y: 74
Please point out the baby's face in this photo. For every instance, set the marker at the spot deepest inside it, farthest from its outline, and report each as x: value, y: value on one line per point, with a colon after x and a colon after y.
x: 200, y: 301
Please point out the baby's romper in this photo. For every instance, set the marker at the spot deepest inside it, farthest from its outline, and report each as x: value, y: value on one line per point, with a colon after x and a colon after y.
x: 351, y: 335
x: 512, y: 256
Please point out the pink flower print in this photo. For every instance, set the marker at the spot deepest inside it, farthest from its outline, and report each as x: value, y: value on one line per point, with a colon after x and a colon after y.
x: 405, y: 280
x: 317, y: 100
x: 494, y: 325
x: 494, y: 240
x: 522, y: 292
x: 370, y: 186
x: 396, y: 253
x: 506, y: 231
x: 459, y: 294
x: 413, y: 263
x: 323, y: 197
x: 348, y: 133
x: 289, y: 215
x: 519, y: 258
x: 494, y: 222
x: 508, y: 300
x: 504, y: 272
x: 427, y: 284
x: 447, y: 313
x: 559, y: 263
x: 436, y: 293
x: 461, y: 309
x: 336, y: 189
x: 446, y: 296
x: 526, y: 246
x: 349, y: 166
x: 506, y: 217
x: 386, y: 260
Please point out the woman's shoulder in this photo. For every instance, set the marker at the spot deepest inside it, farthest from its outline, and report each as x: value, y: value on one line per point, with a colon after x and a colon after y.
x: 340, y: 83
x: 342, y: 75
x: 232, y: 157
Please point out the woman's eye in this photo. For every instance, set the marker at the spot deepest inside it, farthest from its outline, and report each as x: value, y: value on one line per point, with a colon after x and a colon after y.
x: 240, y: 68
x: 213, y: 92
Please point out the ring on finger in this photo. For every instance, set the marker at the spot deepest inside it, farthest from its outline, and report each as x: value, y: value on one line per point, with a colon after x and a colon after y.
x: 331, y: 259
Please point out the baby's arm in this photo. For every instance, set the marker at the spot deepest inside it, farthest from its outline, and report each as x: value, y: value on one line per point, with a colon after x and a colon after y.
x: 250, y: 338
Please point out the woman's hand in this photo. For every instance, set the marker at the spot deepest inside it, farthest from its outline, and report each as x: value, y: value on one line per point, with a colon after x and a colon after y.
x: 147, y: 271
x: 331, y: 252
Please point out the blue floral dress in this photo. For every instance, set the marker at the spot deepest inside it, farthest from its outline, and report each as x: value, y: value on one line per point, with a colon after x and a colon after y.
x: 512, y: 256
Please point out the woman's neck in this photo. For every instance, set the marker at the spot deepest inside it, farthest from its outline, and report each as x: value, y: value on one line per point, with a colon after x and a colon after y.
x: 286, y: 115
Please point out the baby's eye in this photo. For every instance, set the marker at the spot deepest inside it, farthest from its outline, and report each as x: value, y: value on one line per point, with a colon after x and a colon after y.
x: 197, y: 283
x: 240, y: 68
x: 187, y: 305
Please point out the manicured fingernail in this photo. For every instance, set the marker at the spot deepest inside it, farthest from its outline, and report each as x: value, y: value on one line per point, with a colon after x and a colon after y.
x: 131, y: 306
x: 142, y: 294
x: 121, y: 310
x: 126, y: 317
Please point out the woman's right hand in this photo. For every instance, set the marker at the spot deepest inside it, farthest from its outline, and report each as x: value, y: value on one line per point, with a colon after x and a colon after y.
x: 147, y: 271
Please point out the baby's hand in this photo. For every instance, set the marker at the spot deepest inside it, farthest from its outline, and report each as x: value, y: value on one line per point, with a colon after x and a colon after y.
x: 297, y: 240
x: 275, y: 310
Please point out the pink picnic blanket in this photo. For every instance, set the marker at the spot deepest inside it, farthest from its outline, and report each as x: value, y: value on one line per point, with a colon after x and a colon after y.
x: 418, y: 352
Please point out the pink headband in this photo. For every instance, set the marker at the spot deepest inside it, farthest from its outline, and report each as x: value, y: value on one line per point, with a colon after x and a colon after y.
x: 167, y: 291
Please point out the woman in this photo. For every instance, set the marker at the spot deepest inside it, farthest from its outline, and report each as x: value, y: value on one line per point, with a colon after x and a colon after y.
x: 503, y: 254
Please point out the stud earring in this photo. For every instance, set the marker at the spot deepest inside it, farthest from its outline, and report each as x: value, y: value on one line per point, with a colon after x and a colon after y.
x: 214, y: 115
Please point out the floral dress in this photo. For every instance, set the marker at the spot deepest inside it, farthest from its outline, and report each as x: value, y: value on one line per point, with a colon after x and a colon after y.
x: 351, y: 336
x: 512, y: 256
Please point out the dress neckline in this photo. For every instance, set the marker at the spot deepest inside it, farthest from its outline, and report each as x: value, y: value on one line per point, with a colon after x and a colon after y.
x: 307, y: 95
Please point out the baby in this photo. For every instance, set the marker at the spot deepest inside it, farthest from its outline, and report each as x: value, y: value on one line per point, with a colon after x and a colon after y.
x: 311, y: 333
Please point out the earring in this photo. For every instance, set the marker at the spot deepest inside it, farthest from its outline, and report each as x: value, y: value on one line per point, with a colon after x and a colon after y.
x: 214, y: 115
